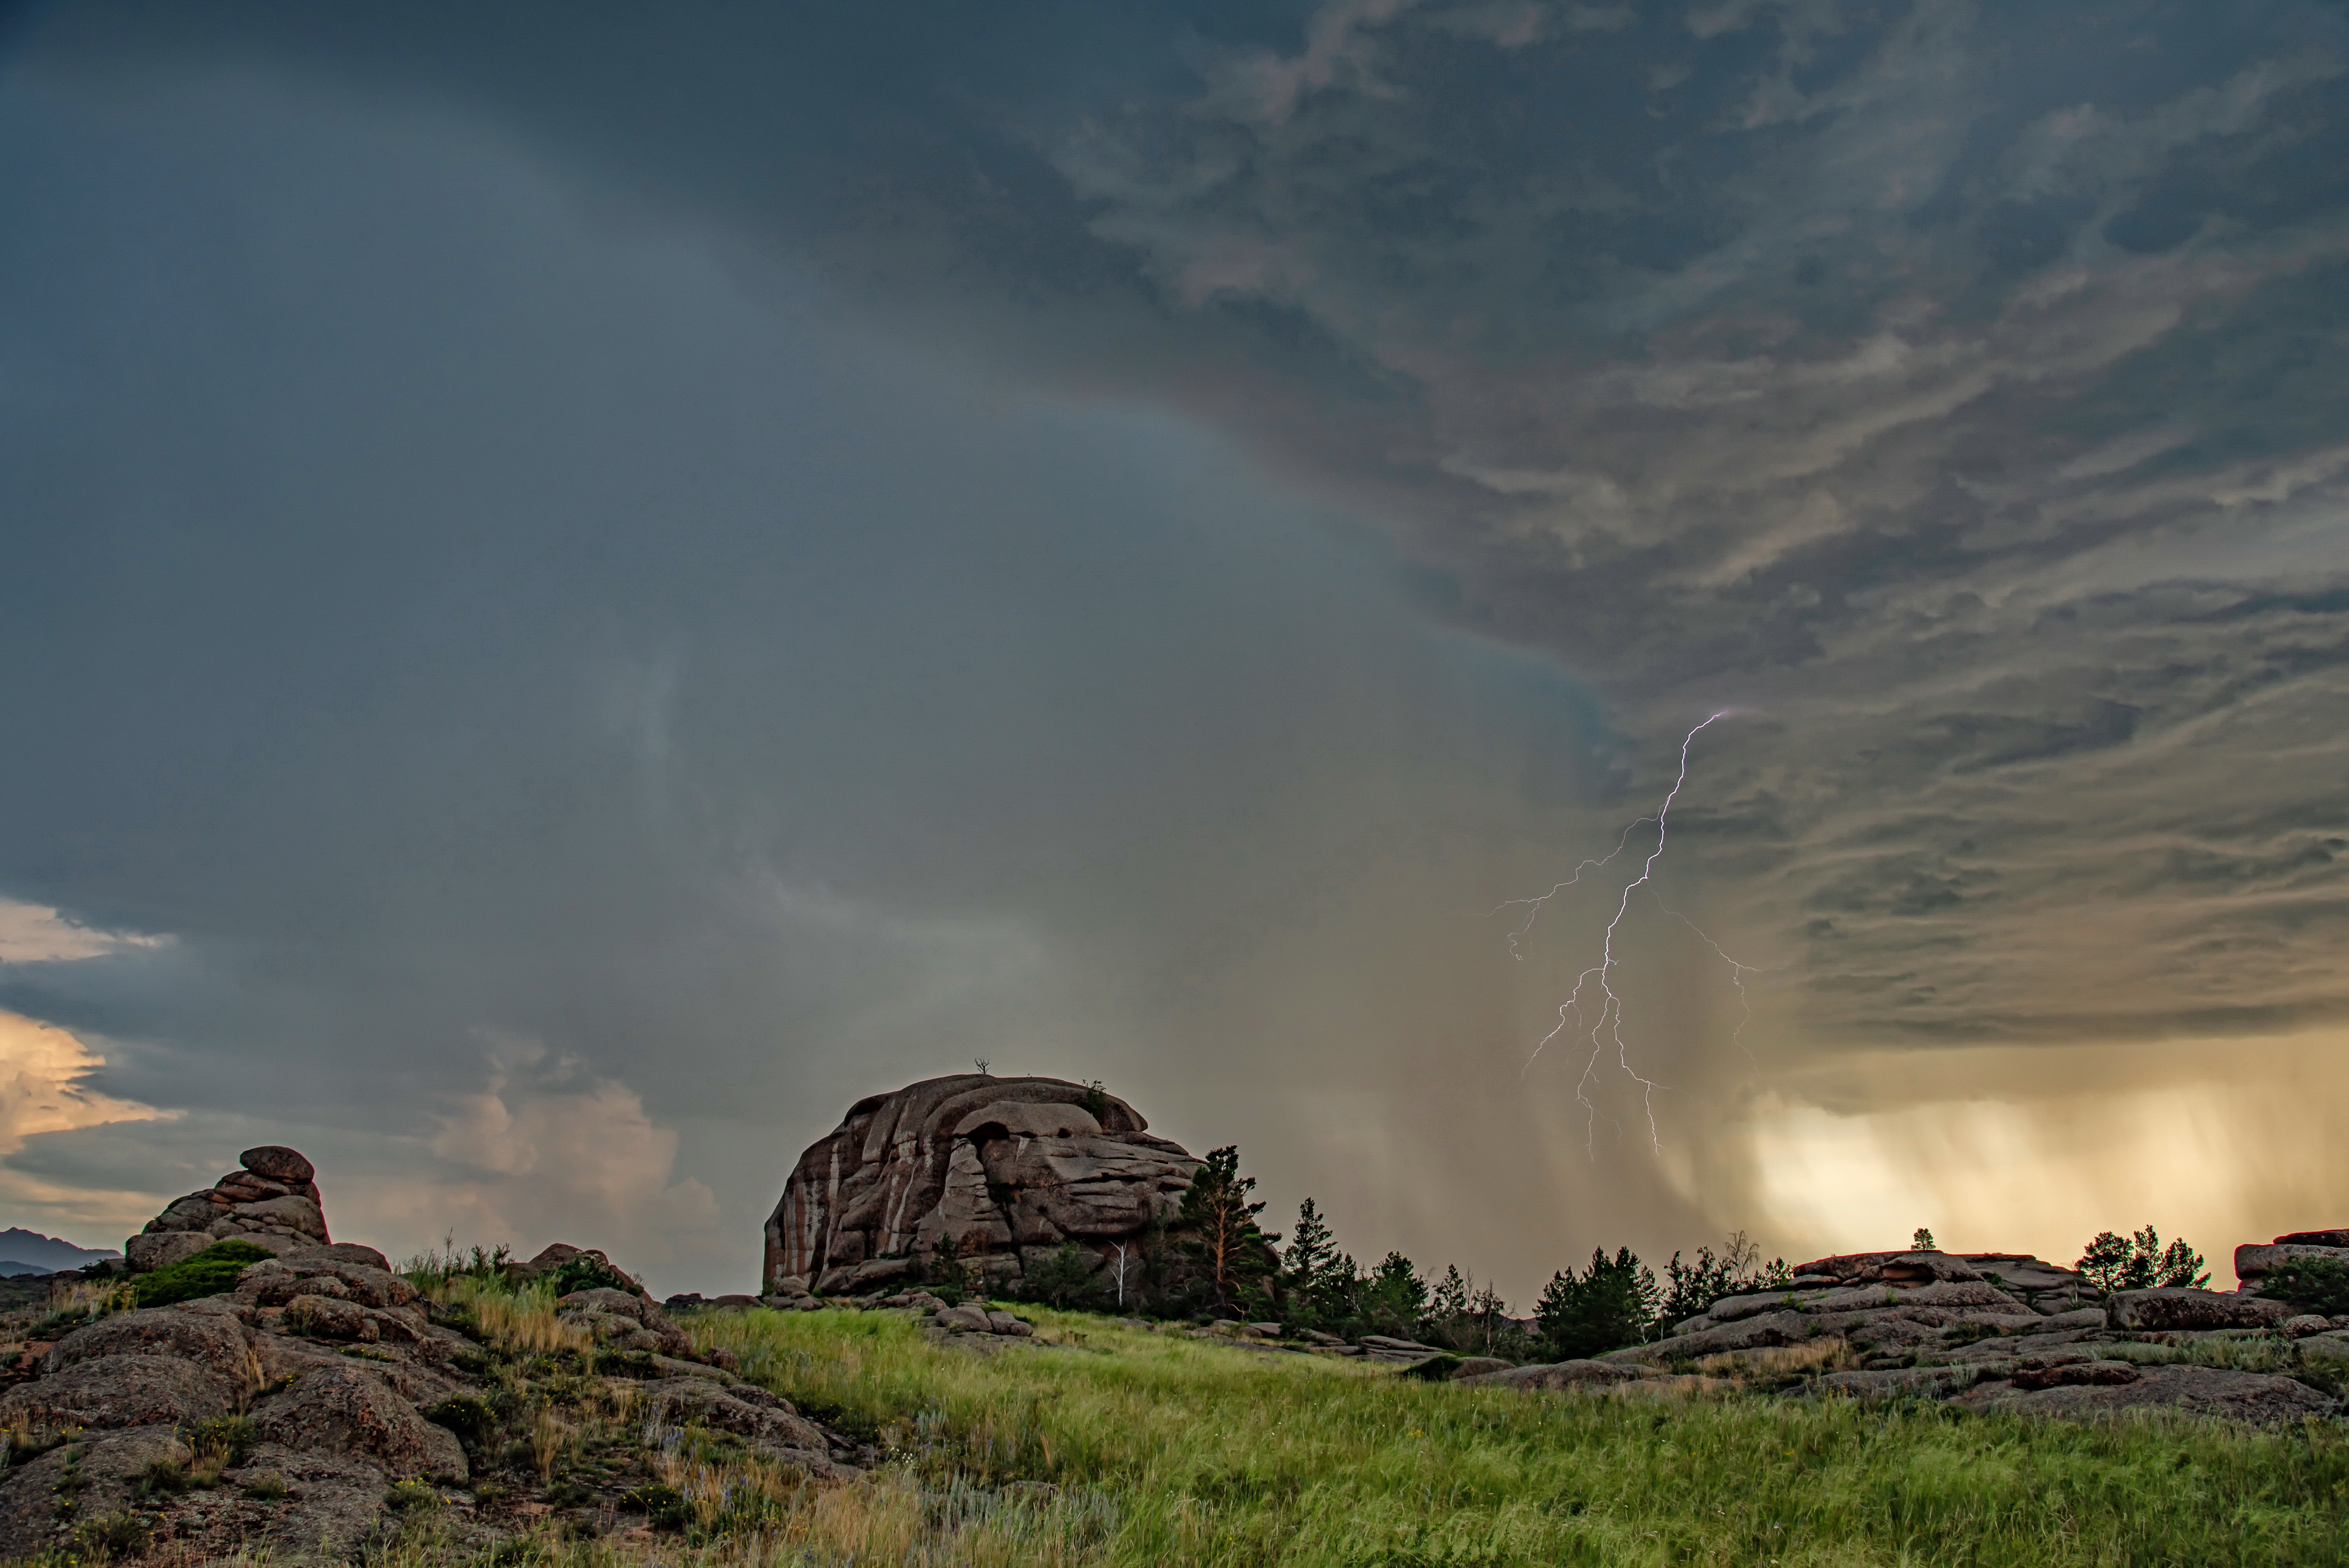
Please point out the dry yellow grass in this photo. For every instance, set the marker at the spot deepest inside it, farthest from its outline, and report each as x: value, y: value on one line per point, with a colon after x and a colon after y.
x: 524, y: 1320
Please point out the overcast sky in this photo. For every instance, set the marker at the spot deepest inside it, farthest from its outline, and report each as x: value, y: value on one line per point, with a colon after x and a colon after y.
x: 584, y: 585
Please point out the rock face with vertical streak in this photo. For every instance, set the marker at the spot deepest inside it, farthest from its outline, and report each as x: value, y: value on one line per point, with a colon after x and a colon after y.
x: 996, y: 1171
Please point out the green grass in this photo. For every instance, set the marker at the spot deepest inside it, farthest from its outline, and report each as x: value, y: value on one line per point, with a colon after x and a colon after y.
x: 1168, y: 1451
x: 211, y: 1272
x: 1117, y: 1448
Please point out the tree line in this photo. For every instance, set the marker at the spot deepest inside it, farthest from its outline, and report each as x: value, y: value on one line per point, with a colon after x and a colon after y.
x: 1212, y: 1260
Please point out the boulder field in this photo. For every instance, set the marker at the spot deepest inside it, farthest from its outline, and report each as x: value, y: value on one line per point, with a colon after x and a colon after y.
x: 993, y: 1173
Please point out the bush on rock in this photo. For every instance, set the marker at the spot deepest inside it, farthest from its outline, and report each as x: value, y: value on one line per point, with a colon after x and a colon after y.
x: 211, y: 1272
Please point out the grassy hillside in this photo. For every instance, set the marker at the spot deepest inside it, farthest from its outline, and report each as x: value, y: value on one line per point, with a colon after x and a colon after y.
x: 1160, y: 1449
x: 1110, y: 1445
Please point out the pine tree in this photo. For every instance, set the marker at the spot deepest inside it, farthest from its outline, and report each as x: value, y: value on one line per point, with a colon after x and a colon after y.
x: 1317, y: 1279
x: 1448, y: 1302
x: 1612, y: 1305
x: 2139, y: 1262
x: 1230, y: 1254
x: 1395, y: 1296
x: 1310, y: 1248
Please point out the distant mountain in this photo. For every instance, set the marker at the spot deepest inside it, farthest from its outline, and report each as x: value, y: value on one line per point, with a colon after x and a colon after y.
x: 32, y: 1253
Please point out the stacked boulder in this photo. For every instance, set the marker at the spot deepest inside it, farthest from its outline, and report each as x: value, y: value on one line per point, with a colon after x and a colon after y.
x: 987, y: 1175
x: 271, y: 1201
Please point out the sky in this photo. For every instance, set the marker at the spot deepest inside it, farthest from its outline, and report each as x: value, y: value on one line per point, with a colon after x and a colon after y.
x: 586, y: 584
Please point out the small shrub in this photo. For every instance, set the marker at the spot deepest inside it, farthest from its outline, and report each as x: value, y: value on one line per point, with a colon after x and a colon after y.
x: 404, y: 1496
x: 162, y: 1477
x: 211, y: 1272
x: 1063, y: 1278
x: 571, y: 1494
x: 587, y: 1272
x: 1434, y: 1369
x: 218, y: 1442
x: 467, y: 1415
x: 25, y: 1443
x: 83, y: 1302
x: 431, y: 1270
x: 2311, y: 1285
x: 69, y: 1484
x: 663, y: 1506
x: 112, y: 1535
x: 268, y: 1488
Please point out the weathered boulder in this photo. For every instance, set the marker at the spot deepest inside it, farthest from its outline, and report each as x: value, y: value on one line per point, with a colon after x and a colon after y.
x: 628, y: 1322
x: 2258, y: 1397
x: 273, y: 1201
x: 2022, y: 1273
x: 2254, y: 1261
x: 275, y: 1162
x: 36, y: 1508
x: 996, y: 1171
x: 345, y: 1411
x: 2068, y: 1368
x: 338, y: 1273
x: 213, y: 1340
x: 767, y: 1420
x: 2181, y: 1308
x: 119, y: 1391
x: 330, y: 1318
x: 1479, y: 1366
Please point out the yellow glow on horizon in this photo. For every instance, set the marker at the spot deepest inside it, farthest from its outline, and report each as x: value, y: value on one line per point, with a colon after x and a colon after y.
x: 2020, y: 1150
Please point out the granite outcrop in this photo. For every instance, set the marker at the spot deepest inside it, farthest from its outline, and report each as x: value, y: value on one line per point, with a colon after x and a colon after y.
x: 990, y: 1173
x: 271, y: 1199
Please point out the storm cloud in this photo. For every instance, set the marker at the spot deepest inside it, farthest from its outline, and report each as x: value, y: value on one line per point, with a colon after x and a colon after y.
x: 586, y: 588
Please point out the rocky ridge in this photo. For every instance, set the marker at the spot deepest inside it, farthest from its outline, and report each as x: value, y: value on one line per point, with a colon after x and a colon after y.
x: 992, y: 1173
x: 2001, y: 1331
x: 313, y: 1405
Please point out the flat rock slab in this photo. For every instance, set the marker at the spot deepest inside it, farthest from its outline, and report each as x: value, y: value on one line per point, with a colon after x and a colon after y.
x: 1559, y: 1374
x: 119, y: 1392
x: 1770, y: 1328
x: 2008, y: 1347
x: 2153, y: 1311
x: 1895, y: 1382
x: 2258, y: 1397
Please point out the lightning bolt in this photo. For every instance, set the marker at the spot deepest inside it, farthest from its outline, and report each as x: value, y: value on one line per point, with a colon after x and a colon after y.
x: 1594, y: 1000
x: 1737, y: 974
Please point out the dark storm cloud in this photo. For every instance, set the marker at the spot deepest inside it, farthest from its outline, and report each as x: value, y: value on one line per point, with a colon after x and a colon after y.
x: 1957, y: 381
x: 1952, y: 389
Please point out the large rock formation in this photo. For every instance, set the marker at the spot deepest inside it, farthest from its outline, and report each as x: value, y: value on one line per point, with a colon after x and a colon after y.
x: 272, y: 1201
x: 317, y: 1399
x: 996, y: 1171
